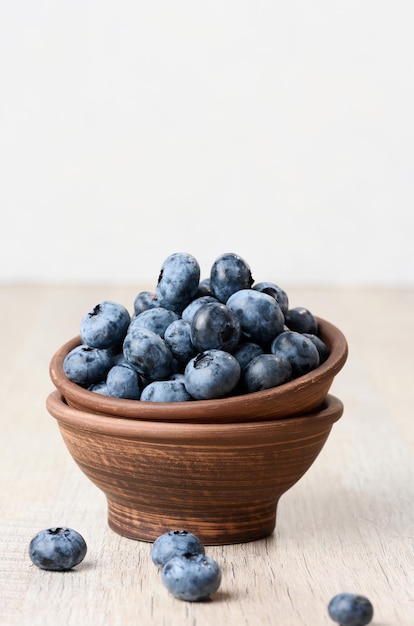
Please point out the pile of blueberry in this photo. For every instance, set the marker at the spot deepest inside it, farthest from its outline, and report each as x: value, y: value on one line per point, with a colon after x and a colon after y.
x: 196, y: 340
x: 186, y: 571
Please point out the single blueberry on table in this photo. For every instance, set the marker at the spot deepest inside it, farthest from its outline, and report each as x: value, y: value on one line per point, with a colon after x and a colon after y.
x: 123, y: 381
x: 211, y: 374
x: 166, y: 391
x: 178, y: 338
x: 192, y: 578
x: 175, y: 543
x: 148, y: 353
x: 57, y: 549
x: 87, y: 366
x: 215, y: 326
x: 229, y: 273
x: 105, y: 325
x: 266, y: 371
x: 260, y: 316
x: 299, y: 350
x: 156, y: 319
x: 350, y: 609
x: 178, y: 281
x: 301, y: 320
x: 276, y: 292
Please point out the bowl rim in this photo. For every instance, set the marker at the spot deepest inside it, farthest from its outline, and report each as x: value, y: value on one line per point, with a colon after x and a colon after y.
x: 243, y: 406
x: 67, y: 416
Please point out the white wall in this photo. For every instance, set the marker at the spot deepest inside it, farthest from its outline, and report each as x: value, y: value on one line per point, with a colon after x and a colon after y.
x: 282, y: 131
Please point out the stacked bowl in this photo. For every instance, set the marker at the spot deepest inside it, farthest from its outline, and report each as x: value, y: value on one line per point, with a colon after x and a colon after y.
x: 214, y: 467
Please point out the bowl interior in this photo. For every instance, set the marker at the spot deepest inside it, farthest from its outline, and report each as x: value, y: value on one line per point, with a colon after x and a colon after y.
x: 298, y: 396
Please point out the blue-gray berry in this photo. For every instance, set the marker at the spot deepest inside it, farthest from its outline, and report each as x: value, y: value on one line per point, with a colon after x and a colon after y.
x: 302, y: 320
x: 350, y: 609
x: 259, y: 314
x: 178, y: 281
x: 266, y: 371
x: 148, y: 353
x: 156, y: 319
x: 299, y: 350
x: 123, y: 381
x: 105, y: 325
x: 192, y: 578
x: 57, y: 549
x: 229, y: 273
x: 166, y: 391
x: 175, y: 543
x: 87, y: 366
x: 211, y: 374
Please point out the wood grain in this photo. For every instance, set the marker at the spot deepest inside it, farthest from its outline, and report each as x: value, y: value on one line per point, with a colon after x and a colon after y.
x: 347, y: 525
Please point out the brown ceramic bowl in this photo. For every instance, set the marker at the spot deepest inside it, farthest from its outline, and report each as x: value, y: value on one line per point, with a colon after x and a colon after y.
x: 220, y: 481
x: 301, y: 395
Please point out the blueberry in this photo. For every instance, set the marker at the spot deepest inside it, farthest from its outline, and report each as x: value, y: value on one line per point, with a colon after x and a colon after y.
x: 123, y: 382
x: 276, y: 292
x: 211, y: 374
x: 191, y: 578
x: 148, y: 353
x: 321, y: 347
x: 204, y: 288
x: 247, y: 351
x: 215, y: 326
x: 87, y: 366
x: 299, y: 350
x: 156, y: 319
x: 145, y: 300
x: 57, y: 549
x: 175, y: 543
x: 350, y: 609
x: 178, y: 281
x: 260, y: 316
x: 178, y: 338
x: 301, y: 320
x: 171, y: 390
x: 266, y: 371
x: 229, y: 273
x: 192, y: 308
x: 100, y: 388
x: 105, y: 325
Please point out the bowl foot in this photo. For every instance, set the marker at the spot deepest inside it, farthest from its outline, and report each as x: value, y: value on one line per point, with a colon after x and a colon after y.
x: 234, y: 525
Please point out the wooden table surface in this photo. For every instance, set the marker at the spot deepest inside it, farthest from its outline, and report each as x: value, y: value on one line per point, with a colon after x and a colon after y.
x: 348, y: 525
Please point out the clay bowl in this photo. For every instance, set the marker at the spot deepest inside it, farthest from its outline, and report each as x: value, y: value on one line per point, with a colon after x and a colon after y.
x: 220, y: 481
x: 301, y: 395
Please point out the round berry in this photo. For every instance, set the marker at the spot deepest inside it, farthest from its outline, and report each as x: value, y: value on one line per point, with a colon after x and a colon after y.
x: 105, y: 325
x: 175, y: 543
x: 57, y: 549
x: 191, y: 578
x: 211, y: 374
x: 350, y: 609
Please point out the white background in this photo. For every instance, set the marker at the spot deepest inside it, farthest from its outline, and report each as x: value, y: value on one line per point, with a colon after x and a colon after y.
x: 282, y: 131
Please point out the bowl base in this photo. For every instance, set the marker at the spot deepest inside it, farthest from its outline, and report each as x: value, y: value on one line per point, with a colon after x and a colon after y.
x: 230, y: 527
